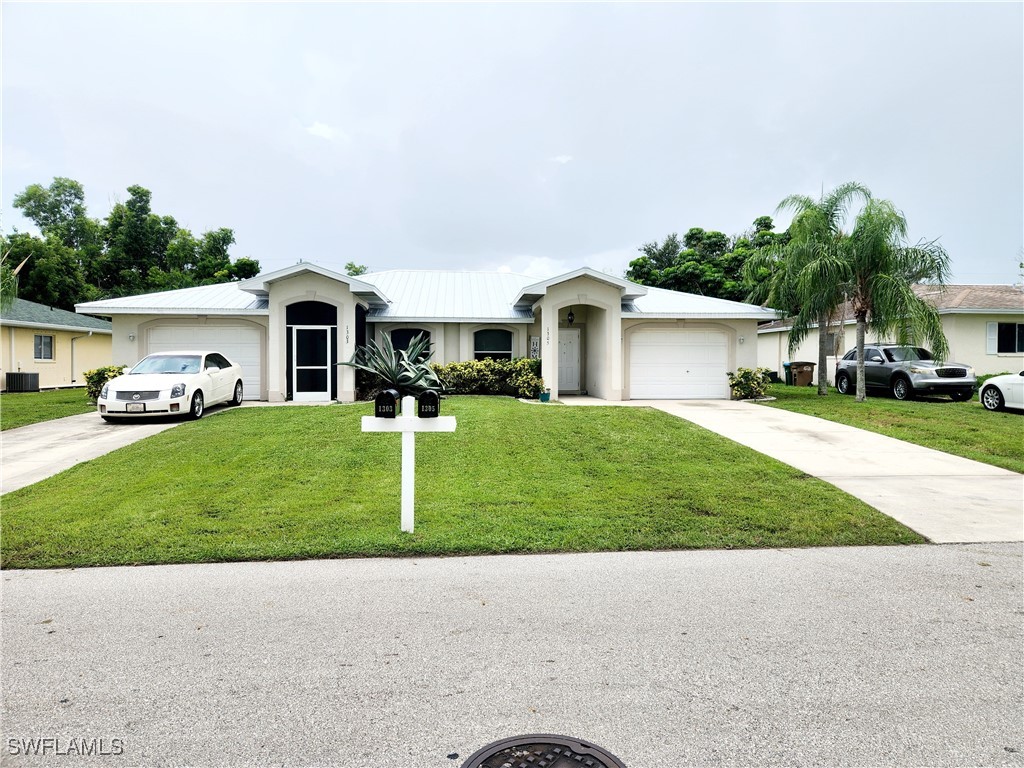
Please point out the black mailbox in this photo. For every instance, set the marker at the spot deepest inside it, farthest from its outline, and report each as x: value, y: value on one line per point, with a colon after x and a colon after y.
x: 428, y: 405
x: 385, y: 405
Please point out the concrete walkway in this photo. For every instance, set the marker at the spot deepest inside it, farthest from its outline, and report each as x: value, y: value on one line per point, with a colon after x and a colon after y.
x: 858, y: 656
x: 946, y: 498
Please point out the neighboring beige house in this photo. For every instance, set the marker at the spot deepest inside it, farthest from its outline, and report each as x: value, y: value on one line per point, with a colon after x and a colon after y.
x: 984, y: 325
x: 594, y: 333
x: 57, y: 344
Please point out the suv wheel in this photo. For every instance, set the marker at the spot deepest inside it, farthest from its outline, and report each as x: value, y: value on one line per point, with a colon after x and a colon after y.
x: 843, y: 384
x: 901, y: 389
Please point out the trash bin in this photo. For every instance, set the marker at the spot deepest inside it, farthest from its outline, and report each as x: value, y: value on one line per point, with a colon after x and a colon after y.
x: 803, y: 373
x: 788, y: 372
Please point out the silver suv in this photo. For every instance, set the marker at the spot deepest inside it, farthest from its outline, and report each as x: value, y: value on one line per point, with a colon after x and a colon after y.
x: 905, y: 371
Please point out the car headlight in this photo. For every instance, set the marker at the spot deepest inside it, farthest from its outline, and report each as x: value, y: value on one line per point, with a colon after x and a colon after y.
x: 919, y: 370
x: 970, y: 372
x: 178, y: 390
x: 105, y: 391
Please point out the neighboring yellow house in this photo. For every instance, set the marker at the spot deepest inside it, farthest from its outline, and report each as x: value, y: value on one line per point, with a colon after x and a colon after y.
x: 984, y: 325
x: 57, y: 344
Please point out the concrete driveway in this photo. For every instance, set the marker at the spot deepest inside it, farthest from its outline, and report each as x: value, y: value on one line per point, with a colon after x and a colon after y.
x: 37, y: 451
x: 867, y: 656
x: 946, y: 498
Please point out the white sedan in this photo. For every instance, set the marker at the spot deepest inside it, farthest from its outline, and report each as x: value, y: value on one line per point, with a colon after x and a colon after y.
x: 1006, y: 391
x: 172, y: 384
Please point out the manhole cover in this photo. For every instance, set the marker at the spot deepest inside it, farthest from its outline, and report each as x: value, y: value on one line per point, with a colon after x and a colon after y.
x: 542, y: 750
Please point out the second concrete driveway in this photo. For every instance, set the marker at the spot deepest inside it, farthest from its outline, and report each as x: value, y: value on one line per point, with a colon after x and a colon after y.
x: 947, y: 498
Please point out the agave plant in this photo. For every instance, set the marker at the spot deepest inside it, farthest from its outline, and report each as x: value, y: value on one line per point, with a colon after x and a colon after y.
x: 406, y: 370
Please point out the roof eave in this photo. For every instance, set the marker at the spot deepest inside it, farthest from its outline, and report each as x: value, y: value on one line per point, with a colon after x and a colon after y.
x: 187, y: 311
x: 56, y: 327
x: 371, y: 318
x: 697, y: 315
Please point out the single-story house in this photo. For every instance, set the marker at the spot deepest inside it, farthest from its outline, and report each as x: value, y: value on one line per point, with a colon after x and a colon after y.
x: 594, y: 333
x: 54, y: 343
x: 984, y: 325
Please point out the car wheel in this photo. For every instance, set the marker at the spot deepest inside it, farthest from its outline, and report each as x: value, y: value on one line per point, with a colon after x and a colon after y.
x: 992, y: 399
x: 237, y: 399
x: 843, y: 384
x: 196, y: 411
x: 962, y: 397
x: 901, y: 389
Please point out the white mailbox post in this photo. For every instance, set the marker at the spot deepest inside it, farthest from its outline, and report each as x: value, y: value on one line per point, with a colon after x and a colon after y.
x: 408, y: 424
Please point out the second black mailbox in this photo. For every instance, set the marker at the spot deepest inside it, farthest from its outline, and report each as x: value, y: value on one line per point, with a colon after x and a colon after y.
x: 385, y: 405
x: 428, y: 405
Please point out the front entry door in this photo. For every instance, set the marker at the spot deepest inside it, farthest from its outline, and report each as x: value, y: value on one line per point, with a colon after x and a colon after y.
x: 568, y: 359
x: 311, y: 363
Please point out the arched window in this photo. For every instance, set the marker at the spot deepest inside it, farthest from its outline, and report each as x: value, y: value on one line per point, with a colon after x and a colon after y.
x: 494, y: 343
x: 402, y: 337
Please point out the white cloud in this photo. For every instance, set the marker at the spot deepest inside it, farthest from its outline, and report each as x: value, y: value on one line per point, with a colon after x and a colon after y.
x: 560, y: 159
x: 534, y: 266
x: 322, y: 130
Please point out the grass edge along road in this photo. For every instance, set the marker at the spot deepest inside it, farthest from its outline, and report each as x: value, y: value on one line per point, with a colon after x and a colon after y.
x: 286, y: 483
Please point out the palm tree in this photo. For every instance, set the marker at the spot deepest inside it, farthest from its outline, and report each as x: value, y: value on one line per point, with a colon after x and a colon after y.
x: 816, y: 238
x: 877, y: 270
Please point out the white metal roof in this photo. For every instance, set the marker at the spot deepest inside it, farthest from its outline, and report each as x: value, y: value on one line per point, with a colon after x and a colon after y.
x: 662, y: 303
x: 220, y: 299
x: 428, y: 295
x: 448, y: 296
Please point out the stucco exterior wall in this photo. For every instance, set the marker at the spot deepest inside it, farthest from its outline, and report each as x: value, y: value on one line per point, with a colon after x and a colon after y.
x: 131, y: 339
x: 309, y: 286
x: 603, y: 346
x: 968, y: 342
x: 965, y: 333
x: 741, y: 354
x: 17, y: 351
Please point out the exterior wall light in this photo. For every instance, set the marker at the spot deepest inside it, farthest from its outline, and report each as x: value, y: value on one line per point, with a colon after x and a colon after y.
x: 570, y: 317
x: 131, y: 337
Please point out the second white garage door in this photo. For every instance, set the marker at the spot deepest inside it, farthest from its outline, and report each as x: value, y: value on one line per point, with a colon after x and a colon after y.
x: 240, y: 344
x: 675, y: 364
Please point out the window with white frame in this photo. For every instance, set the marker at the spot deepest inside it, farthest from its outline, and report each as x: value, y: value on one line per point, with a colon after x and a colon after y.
x: 494, y: 343
x: 42, y: 347
x: 1005, y: 338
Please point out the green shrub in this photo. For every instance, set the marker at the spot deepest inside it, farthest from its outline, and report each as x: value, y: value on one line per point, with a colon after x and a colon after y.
x: 986, y: 377
x: 405, y: 370
x: 97, y: 377
x: 512, y: 378
x: 748, y: 383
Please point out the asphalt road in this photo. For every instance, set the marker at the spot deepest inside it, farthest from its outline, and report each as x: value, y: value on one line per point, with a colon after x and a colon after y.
x: 864, y: 656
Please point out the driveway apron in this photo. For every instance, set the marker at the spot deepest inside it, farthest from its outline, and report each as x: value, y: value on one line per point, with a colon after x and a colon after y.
x: 945, y: 498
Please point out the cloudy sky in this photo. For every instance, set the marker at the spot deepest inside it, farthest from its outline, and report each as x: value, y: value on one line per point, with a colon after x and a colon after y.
x: 530, y: 137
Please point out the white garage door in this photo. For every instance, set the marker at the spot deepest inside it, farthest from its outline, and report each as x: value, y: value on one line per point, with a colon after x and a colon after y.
x: 237, y: 343
x: 678, y: 365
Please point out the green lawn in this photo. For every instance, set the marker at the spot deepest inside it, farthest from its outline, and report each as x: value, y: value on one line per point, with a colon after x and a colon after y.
x: 20, y: 408
x: 963, y: 429
x: 276, y: 483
